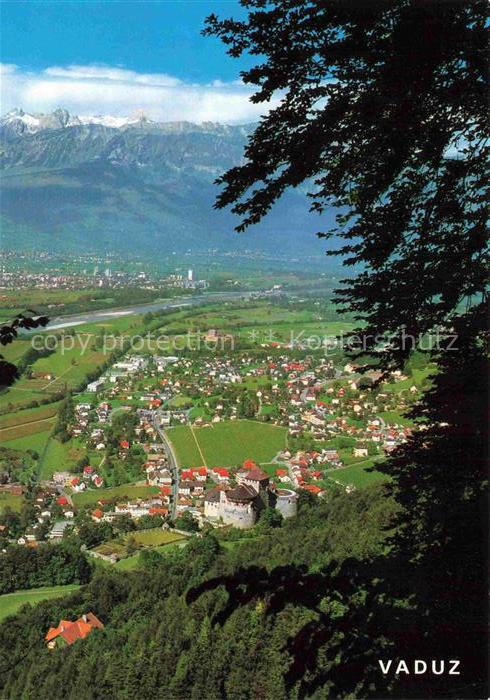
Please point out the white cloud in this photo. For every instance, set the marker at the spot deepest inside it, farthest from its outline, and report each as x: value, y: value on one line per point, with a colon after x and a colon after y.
x: 113, y: 90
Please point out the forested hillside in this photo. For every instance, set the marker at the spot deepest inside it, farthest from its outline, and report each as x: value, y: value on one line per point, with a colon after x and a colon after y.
x: 166, y: 636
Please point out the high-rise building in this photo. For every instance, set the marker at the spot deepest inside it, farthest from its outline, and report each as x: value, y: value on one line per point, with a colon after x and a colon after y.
x: 190, y: 275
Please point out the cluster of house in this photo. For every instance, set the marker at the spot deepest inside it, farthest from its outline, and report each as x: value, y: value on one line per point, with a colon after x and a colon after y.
x: 108, y: 511
x: 156, y: 466
x: 89, y: 477
x: 119, y: 370
x: 302, y: 467
x: 87, y: 421
x: 45, y: 499
x: 301, y: 392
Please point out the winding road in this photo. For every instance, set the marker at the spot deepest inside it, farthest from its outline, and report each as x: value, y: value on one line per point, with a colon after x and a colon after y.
x: 172, y: 461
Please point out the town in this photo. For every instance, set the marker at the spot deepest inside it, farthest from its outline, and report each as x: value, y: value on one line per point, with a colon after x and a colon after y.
x: 215, y: 439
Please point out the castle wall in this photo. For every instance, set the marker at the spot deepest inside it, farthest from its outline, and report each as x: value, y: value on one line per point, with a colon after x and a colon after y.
x: 239, y: 516
x: 211, y: 510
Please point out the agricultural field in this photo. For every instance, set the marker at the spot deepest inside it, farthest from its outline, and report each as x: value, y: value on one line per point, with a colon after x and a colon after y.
x: 10, y: 603
x: 14, y: 351
x: 360, y: 475
x: 25, y: 430
x: 297, y: 330
x: 23, y: 424
x: 59, y: 456
x: 228, y: 443
x: 90, y: 497
x: 30, y: 415
x: 259, y: 323
x: 36, y: 442
x: 133, y: 562
x: 69, y: 367
x: 155, y: 537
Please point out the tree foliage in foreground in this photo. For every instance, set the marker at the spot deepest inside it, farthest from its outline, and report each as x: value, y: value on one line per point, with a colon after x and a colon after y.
x: 383, y: 114
x: 8, y: 332
x: 381, y: 110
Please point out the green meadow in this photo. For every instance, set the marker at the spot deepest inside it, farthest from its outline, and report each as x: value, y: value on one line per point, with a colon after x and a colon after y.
x: 92, y: 496
x: 228, y: 443
x: 359, y: 475
x: 10, y: 603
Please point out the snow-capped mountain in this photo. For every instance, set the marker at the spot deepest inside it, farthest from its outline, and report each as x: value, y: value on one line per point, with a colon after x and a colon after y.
x: 113, y: 183
x: 17, y: 122
x: 113, y: 122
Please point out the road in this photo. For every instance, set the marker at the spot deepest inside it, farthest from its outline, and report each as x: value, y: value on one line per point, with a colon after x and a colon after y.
x: 172, y: 462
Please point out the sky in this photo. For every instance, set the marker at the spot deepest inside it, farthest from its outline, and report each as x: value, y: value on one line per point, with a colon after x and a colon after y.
x: 121, y: 57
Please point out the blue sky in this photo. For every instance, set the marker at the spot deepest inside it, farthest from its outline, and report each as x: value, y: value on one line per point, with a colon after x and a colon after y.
x: 115, y: 57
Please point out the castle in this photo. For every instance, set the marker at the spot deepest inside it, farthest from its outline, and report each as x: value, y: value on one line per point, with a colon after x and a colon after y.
x: 240, y: 505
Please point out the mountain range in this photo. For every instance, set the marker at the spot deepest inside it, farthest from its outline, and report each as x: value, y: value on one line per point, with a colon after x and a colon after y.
x: 104, y: 183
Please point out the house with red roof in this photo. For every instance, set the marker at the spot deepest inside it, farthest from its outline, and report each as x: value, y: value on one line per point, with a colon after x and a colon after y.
x: 155, y: 510
x: 312, y: 489
x: 69, y: 632
x: 220, y: 474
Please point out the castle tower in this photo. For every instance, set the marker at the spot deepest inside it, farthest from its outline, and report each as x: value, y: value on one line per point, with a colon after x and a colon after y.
x: 286, y: 502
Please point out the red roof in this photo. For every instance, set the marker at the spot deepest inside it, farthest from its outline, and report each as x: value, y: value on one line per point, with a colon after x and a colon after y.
x: 88, y: 470
x: 97, y: 513
x: 62, y: 501
x: 75, y: 481
x: 71, y: 631
x: 124, y: 444
x: 165, y: 490
x: 158, y: 511
x: 221, y: 471
x: 281, y: 472
x: 202, y: 471
x: 312, y: 488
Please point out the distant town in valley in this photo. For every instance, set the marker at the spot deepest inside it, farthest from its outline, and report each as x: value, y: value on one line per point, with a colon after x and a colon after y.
x: 110, y: 440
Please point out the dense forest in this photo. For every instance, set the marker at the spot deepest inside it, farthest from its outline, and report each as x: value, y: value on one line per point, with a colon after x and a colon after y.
x: 48, y: 565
